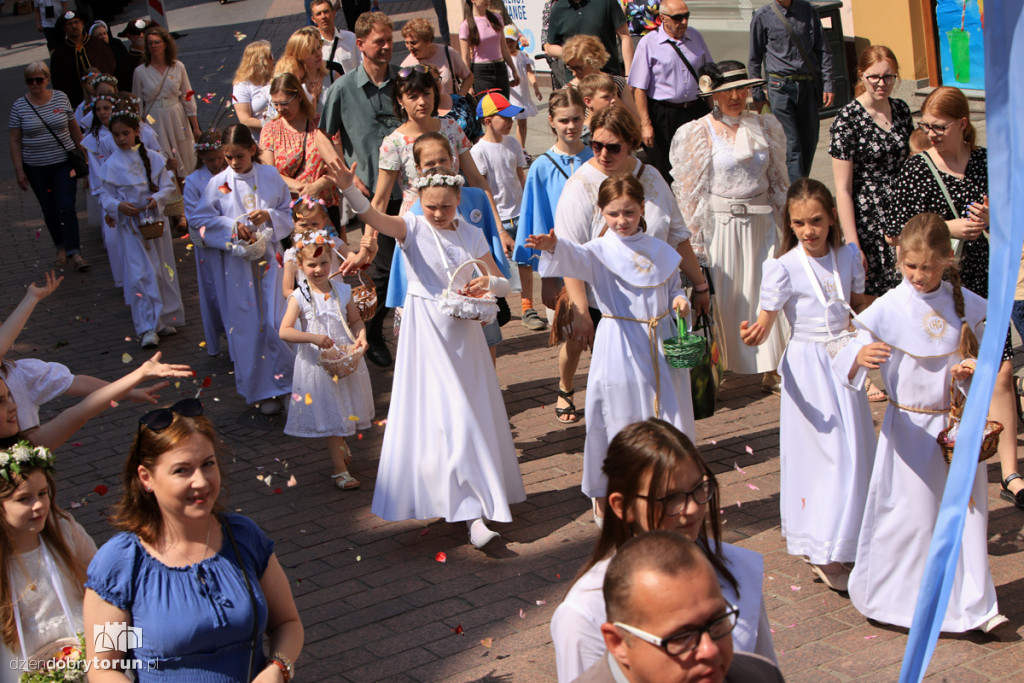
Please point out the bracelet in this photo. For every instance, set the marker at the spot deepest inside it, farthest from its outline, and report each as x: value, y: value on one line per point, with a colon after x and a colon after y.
x: 700, y: 289
x: 356, y: 200
x: 284, y: 664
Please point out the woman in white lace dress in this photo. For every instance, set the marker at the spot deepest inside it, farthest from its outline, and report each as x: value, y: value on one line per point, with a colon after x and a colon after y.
x: 730, y: 182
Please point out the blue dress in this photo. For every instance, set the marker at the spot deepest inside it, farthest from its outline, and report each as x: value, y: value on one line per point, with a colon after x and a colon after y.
x: 543, y: 187
x: 196, y: 621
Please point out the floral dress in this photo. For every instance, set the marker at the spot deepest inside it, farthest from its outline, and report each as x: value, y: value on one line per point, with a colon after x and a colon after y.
x: 396, y: 155
x: 304, y: 165
x: 877, y: 156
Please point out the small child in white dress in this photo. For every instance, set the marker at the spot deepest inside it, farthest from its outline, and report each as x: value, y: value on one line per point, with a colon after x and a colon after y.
x: 520, y: 95
x: 309, y: 215
x: 325, y: 404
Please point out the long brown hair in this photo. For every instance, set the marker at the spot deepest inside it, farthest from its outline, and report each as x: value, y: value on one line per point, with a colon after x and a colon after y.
x: 655, y: 448
x: 871, y: 55
x: 170, y: 47
x: 240, y: 135
x: 69, y: 563
x: 928, y: 233
x: 951, y: 103
x: 474, y: 32
x: 803, y: 190
x: 138, y: 511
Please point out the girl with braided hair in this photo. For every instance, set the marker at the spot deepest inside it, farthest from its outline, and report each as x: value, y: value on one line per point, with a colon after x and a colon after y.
x: 921, y: 334
x: 134, y: 182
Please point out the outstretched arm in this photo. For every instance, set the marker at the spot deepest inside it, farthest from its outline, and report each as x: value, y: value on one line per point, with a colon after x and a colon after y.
x: 344, y: 178
x: 16, y: 321
x: 754, y: 335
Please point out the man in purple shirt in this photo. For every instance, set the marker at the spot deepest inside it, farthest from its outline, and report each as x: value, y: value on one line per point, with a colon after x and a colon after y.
x: 664, y: 78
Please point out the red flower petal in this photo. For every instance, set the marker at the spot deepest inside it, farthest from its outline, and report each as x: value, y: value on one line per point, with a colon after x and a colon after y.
x: 101, y: 489
x: 278, y: 491
x: 441, y: 557
x: 207, y: 381
x: 280, y: 259
x: 457, y: 630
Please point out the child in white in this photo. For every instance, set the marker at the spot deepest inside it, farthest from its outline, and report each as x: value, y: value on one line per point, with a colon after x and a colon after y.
x: 309, y: 214
x: 923, y: 333
x: 209, y: 262
x: 244, y: 200
x: 826, y: 436
x: 519, y: 96
x: 325, y: 405
x: 448, y: 449
x: 636, y: 281
x: 134, y: 185
x: 99, y: 144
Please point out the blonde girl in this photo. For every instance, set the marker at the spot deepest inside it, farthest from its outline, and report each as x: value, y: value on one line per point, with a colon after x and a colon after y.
x: 251, y: 88
x: 922, y: 334
x: 309, y: 214
x: 304, y: 59
x: 826, y: 436
x: 451, y: 456
x: 336, y: 406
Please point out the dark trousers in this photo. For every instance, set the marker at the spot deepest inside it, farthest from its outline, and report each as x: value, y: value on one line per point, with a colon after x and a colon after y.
x: 382, y: 273
x: 352, y: 9
x: 490, y: 75
x: 667, y: 117
x: 55, y: 189
x: 795, y: 105
x: 441, y: 10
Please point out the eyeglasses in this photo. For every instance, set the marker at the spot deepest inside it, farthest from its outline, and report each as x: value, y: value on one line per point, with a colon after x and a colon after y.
x: 160, y: 419
x: 35, y: 80
x: 612, y: 147
x: 282, y: 105
x: 674, y: 503
x: 575, y: 67
x: 677, y: 18
x: 687, y: 641
x: 934, y: 128
x: 875, y: 79
x: 406, y: 71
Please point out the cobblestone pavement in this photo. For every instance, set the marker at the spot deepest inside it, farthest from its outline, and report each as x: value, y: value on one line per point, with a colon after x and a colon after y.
x: 375, y: 601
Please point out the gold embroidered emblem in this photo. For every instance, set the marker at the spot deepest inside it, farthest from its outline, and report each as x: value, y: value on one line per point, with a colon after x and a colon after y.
x: 642, y: 262
x: 935, y: 325
x: 249, y: 201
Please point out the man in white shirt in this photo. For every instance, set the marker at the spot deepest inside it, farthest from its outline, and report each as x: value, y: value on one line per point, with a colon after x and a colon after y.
x: 339, y: 48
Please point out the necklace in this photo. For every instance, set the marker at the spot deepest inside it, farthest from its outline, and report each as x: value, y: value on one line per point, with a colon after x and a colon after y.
x: 34, y: 582
x: 206, y: 548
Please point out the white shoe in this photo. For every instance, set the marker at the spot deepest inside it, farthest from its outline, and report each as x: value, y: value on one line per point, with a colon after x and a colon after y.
x: 167, y: 331
x: 271, y: 406
x: 150, y: 340
x: 838, y: 581
x: 479, y: 534
x: 994, y: 623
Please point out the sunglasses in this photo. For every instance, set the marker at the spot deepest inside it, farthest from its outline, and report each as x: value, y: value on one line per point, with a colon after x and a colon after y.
x: 35, y: 80
x: 678, y: 18
x: 612, y: 147
x: 406, y: 71
x: 160, y: 419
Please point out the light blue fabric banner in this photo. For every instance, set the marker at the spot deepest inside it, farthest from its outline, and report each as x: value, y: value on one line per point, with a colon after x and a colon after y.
x: 1004, y: 38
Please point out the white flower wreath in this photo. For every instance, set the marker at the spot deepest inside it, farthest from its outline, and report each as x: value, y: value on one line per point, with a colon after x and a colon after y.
x: 438, y: 180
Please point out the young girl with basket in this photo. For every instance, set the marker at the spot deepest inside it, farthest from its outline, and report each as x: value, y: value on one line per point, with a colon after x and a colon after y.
x: 309, y: 214
x: 826, y: 436
x: 245, y: 212
x: 448, y: 449
x: 334, y: 399
x: 636, y: 280
x: 134, y: 184
x: 923, y: 334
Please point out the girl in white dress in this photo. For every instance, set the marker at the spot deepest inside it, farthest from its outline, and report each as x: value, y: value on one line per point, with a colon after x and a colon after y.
x: 657, y: 480
x: 448, y: 449
x: 309, y: 214
x: 826, y: 435
x: 99, y: 144
x: 134, y: 185
x: 326, y: 405
x: 244, y: 201
x: 635, y: 278
x: 922, y: 333
x: 209, y: 262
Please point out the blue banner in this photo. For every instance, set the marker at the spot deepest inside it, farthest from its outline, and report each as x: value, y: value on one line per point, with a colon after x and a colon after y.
x: 1004, y: 39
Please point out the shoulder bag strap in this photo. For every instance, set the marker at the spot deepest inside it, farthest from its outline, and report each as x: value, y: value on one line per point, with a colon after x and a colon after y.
x: 456, y: 81
x: 941, y: 183
x: 252, y: 597
x: 689, y: 67
x: 555, y: 164
x: 811, y: 64
x: 39, y: 116
x: 159, y: 89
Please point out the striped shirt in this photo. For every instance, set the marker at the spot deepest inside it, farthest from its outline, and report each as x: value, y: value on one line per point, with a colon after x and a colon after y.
x: 38, y: 146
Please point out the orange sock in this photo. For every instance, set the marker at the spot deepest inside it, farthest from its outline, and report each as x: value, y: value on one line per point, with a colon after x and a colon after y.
x: 527, y: 304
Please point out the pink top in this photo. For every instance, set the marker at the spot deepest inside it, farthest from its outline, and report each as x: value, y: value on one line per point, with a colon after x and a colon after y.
x: 489, y: 49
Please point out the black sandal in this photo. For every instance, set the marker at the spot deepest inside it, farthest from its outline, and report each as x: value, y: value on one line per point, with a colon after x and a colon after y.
x: 570, y: 411
x: 1008, y: 495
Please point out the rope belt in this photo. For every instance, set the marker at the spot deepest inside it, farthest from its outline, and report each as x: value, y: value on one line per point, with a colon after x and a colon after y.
x: 652, y: 328
x: 921, y: 411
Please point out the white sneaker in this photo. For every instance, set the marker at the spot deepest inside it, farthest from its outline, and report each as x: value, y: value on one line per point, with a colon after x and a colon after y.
x: 271, y: 406
x: 150, y: 340
x: 167, y: 331
x: 479, y: 534
x: 994, y: 623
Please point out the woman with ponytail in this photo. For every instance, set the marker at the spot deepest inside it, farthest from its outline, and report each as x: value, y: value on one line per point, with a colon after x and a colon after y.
x: 134, y: 183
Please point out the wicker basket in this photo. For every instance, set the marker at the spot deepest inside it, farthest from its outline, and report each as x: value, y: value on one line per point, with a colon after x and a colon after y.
x: 685, y: 350
x: 340, y: 361
x: 151, y: 230
x: 947, y: 437
x: 255, y: 249
x: 451, y: 302
x: 174, y: 206
x: 365, y: 296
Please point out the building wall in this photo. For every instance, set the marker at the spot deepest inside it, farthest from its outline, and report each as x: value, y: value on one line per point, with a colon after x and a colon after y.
x: 899, y: 25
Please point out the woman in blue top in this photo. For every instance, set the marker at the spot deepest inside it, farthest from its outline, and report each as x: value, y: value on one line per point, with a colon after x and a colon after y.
x: 200, y: 587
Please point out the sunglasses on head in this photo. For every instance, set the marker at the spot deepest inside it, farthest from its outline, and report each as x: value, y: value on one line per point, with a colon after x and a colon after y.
x: 160, y: 419
x: 35, y: 80
x: 678, y: 18
x: 406, y: 71
x: 612, y: 147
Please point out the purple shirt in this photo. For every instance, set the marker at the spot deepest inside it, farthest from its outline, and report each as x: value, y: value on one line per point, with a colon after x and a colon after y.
x: 659, y: 70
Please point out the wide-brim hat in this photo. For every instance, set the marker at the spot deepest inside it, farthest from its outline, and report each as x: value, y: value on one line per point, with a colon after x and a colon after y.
x: 134, y: 28
x: 731, y: 80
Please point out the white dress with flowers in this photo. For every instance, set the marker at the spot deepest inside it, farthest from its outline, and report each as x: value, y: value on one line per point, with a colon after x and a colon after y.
x: 448, y: 449
x: 334, y: 408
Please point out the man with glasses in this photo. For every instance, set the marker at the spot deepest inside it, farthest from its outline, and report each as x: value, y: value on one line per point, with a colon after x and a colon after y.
x: 667, y: 619
x: 664, y: 80
x: 799, y: 74
x: 76, y: 55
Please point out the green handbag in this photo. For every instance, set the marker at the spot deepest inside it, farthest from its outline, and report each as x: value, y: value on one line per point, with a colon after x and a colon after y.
x: 706, y: 375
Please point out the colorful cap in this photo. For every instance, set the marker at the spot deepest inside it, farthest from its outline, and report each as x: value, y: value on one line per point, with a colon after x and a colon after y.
x: 511, y: 32
x: 495, y: 103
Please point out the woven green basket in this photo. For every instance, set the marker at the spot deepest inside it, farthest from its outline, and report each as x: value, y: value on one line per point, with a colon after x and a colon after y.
x: 686, y: 350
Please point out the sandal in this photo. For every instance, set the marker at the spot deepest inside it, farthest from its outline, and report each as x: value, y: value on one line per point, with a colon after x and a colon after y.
x: 570, y: 411
x: 345, y: 481
x: 61, y: 259
x: 1008, y: 495
x: 875, y: 395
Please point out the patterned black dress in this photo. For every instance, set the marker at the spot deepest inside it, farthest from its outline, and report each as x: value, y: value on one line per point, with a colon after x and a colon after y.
x: 877, y: 156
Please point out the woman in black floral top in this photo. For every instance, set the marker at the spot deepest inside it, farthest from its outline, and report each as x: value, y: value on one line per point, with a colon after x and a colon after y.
x: 870, y: 141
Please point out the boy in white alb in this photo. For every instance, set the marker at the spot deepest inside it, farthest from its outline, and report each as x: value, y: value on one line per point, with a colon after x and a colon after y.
x: 500, y: 159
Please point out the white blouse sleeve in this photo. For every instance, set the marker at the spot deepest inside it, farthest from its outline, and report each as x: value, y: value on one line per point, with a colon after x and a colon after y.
x: 569, y: 260
x: 690, y: 155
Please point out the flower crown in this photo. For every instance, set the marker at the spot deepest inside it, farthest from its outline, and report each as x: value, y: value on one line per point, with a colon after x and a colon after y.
x: 313, y: 238
x: 126, y: 113
x: 438, y: 180
x: 308, y: 201
x: 105, y: 98
x: 103, y: 78
x: 206, y: 146
x: 22, y: 456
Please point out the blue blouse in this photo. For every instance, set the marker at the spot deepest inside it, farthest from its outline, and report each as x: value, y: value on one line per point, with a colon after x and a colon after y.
x: 196, y: 621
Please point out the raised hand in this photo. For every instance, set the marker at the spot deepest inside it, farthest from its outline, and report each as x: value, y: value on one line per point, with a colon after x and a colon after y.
x: 40, y: 293
x: 542, y: 242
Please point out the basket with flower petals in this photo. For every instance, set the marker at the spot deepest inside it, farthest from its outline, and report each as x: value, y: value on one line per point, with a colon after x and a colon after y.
x: 252, y: 249
x: 947, y: 437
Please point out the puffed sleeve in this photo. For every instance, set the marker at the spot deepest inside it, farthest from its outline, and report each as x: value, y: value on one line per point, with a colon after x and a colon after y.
x: 690, y: 155
x: 186, y: 87
x: 42, y: 380
x: 254, y: 545
x: 776, y: 288
x: 859, y: 276
x: 778, y: 175
x: 111, y: 574
x: 78, y: 538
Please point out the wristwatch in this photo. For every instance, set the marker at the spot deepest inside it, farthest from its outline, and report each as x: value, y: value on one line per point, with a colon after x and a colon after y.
x: 286, y: 665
